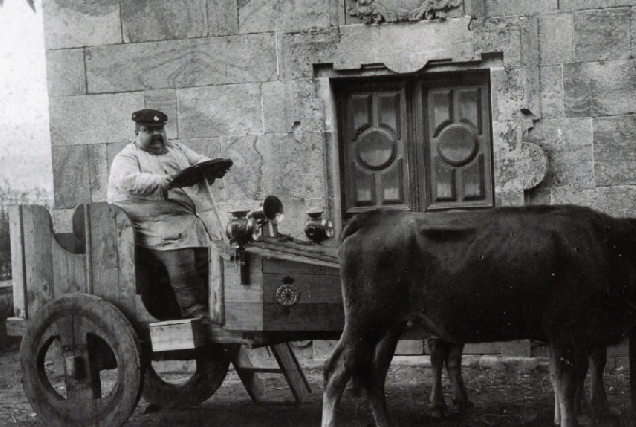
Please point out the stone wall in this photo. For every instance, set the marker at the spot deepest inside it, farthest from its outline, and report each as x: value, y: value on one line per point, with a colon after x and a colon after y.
x: 243, y: 79
x: 250, y: 80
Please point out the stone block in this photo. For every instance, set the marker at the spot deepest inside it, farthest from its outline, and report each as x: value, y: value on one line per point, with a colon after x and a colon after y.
x: 244, y: 184
x: 568, y: 144
x: 164, y: 100
x: 281, y: 165
x: 65, y: 72
x: 71, y: 23
x: 145, y: 20
x: 409, y: 347
x: 599, y: 88
x: 518, y: 7
x: 614, y: 156
x: 99, y: 168
x: 551, y: 92
x: 210, y: 147
x: 292, y: 106
x: 71, y: 177
x: 182, y: 63
x: 593, y: 4
x: 222, y: 17
x: 618, y: 201
x: 601, y: 35
x: 93, y: 119
x: 297, y: 169
x: 499, y: 35
x: 220, y: 110
x: 556, y: 38
x: 300, y: 50
x: 482, y: 348
x: 404, y: 48
x: 509, y: 198
x: 518, y: 348
x: 509, y: 95
x: 259, y: 16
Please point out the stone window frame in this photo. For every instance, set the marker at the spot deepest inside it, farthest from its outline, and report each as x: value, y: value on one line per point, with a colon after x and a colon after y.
x: 518, y: 165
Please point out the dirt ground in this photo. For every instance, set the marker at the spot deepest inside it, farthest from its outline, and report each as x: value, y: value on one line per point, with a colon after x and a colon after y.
x: 502, y: 398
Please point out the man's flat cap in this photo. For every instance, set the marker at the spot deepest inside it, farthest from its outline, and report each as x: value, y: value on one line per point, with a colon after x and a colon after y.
x: 150, y: 117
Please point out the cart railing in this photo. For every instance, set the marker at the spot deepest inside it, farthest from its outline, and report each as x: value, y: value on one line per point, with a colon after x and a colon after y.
x: 98, y: 259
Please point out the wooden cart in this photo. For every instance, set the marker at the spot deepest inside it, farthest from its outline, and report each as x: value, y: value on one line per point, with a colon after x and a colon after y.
x: 84, y: 300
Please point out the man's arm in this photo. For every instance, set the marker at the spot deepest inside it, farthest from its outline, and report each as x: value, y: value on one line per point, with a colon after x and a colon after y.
x: 126, y: 174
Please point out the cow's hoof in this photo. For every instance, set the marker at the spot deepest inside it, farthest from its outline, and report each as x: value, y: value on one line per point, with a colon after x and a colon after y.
x: 438, y: 412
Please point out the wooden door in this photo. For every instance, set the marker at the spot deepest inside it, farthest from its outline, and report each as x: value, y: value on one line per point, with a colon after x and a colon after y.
x: 457, y: 146
x: 374, y: 148
x: 420, y: 143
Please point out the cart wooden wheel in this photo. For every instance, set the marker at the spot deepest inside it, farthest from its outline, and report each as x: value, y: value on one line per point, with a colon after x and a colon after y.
x: 66, y: 376
x: 212, y: 363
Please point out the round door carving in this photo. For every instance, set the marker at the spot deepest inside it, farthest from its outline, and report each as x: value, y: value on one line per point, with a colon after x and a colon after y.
x: 376, y: 149
x: 457, y: 145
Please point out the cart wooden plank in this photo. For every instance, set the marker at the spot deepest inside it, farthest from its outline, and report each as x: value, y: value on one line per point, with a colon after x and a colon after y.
x: 38, y: 256
x: 18, y: 267
x: 292, y: 371
x: 104, y: 252
x: 126, y: 256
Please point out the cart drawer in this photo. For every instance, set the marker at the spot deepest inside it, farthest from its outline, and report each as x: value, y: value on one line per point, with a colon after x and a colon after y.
x: 283, y: 295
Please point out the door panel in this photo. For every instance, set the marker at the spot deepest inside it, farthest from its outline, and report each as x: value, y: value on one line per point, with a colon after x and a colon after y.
x: 458, y: 152
x: 374, y: 148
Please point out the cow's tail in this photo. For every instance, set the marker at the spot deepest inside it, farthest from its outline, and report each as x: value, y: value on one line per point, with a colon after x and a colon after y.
x: 357, y: 222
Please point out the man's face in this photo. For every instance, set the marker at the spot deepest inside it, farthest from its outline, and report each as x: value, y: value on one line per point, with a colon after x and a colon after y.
x: 152, y: 139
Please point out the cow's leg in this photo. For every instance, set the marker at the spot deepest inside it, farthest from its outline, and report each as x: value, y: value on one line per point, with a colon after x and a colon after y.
x: 632, y: 368
x: 336, y: 373
x: 557, y: 407
x: 374, y: 384
x: 598, y: 396
x: 439, y: 353
x: 581, y: 373
x: 352, y: 356
x: 454, y: 369
x: 566, y: 362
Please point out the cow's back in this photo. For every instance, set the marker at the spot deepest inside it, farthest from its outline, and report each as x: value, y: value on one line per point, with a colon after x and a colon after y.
x: 546, y: 272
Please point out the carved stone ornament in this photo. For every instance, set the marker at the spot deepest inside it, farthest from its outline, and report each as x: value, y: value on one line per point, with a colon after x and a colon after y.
x: 375, y: 11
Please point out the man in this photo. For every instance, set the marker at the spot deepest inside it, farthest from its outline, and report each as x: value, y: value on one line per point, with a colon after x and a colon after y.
x: 169, y: 222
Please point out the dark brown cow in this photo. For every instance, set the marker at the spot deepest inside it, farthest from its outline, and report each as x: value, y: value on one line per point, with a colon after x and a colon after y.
x: 565, y: 275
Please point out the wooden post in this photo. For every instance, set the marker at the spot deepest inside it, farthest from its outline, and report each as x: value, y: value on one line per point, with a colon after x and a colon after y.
x: 216, y: 277
x: 18, y: 267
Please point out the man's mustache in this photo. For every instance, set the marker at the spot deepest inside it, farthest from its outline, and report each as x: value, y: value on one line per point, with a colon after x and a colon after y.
x: 157, y: 138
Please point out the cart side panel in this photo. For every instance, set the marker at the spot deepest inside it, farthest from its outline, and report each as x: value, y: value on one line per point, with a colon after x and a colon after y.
x: 37, y: 241
x: 244, y: 302
x: 103, y: 252
x: 319, y: 306
x: 112, y: 258
x: 69, y: 271
x: 18, y: 272
x: 127, y: 271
